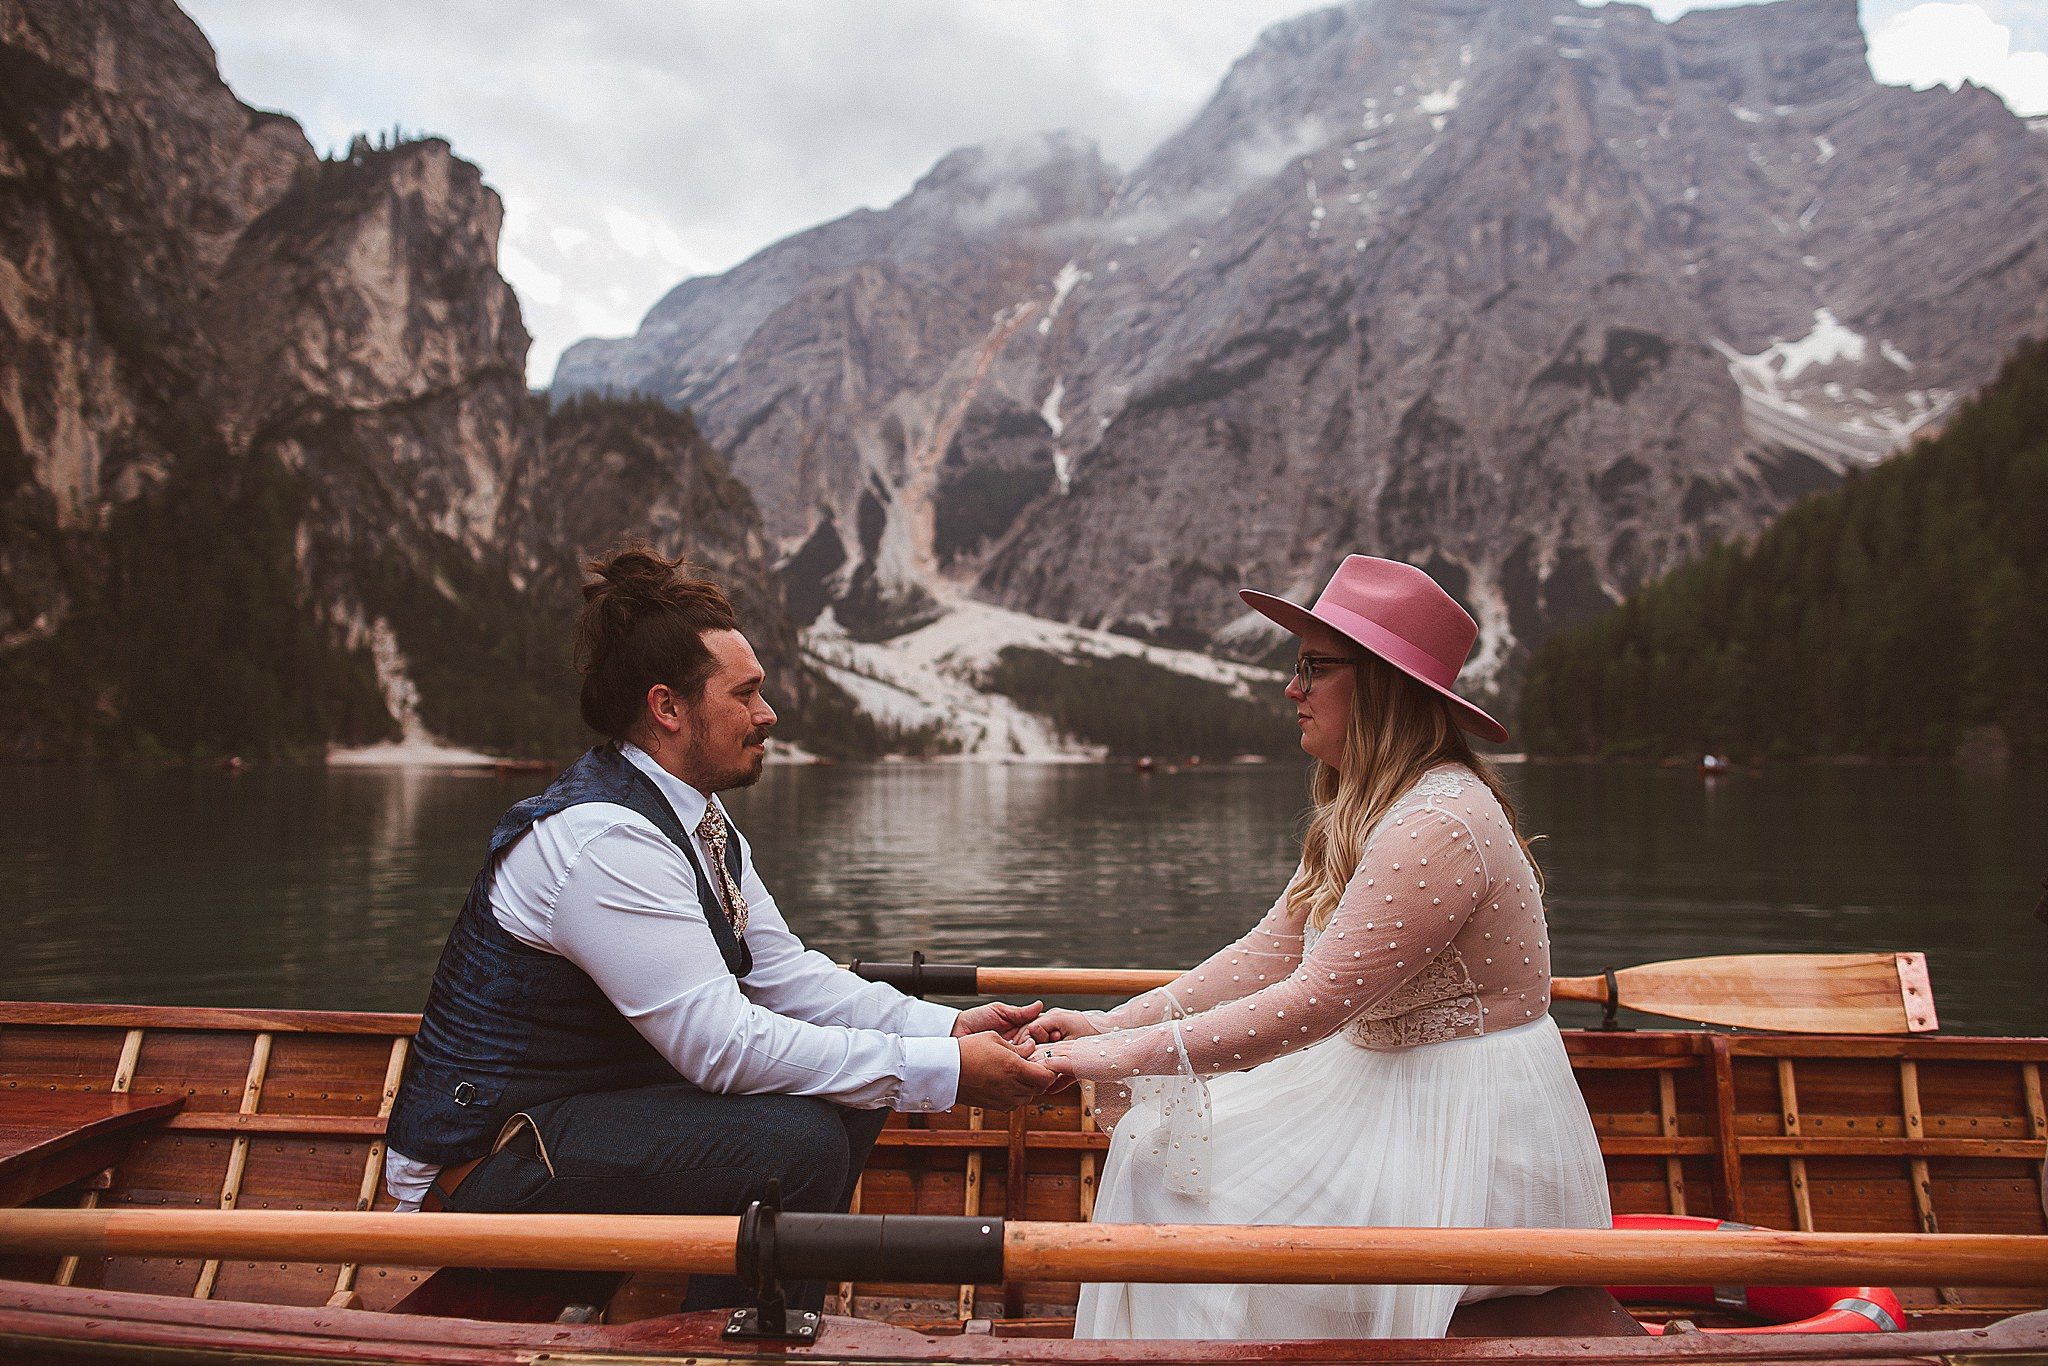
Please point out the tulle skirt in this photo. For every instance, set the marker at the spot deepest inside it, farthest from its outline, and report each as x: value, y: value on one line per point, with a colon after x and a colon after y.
x: 1480, y: 1132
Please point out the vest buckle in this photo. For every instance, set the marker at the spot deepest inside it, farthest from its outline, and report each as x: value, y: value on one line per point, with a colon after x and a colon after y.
x: 464, y: 1093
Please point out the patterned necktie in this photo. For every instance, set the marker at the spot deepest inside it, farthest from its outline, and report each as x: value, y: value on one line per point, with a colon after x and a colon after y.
x: 712, y: 831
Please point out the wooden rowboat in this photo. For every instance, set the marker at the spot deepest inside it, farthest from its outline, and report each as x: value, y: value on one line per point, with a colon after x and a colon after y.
x: 122, y: 1108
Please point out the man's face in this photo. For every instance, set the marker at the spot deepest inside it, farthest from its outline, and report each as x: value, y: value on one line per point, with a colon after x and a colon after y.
x: 727, y: 736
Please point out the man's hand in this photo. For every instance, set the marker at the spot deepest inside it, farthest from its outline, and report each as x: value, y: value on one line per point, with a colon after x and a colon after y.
x: 1000, y: 1016
x: 1055, y: 1025
x: 999, y: 1075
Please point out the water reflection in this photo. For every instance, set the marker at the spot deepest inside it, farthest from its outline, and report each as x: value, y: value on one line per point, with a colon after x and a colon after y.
x: 302, y: 887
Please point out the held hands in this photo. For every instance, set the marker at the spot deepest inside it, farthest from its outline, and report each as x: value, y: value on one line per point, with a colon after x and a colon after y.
x: 1055, y: 1025
x: 1000, y: 1016
x: 998, y: 1074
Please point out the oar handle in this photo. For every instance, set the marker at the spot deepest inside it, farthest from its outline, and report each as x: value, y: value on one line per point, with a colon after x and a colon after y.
x: 921, y: 978
x: 880, y: 1247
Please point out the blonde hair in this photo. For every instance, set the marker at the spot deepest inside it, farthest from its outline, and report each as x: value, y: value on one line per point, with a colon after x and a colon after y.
x: 1397, y: 731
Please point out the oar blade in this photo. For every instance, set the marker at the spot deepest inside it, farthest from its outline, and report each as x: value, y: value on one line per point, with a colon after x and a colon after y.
x: 1793, y: 993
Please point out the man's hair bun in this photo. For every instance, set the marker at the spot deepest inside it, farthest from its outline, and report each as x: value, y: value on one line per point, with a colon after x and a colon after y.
x: 643, y: 623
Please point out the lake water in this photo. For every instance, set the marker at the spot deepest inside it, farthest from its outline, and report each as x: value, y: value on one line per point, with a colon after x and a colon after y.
x: 334, y: 889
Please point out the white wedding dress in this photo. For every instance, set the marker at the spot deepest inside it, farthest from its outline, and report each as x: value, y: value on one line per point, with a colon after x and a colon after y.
x: 1398, y: 1069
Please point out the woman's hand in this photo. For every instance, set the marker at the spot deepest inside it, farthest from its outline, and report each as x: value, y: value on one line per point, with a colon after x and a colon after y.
x: 1055, y: 1025
x: 1054, y: 1058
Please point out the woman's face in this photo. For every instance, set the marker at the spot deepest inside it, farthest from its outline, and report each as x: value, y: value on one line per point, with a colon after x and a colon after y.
x: 1323, y: 710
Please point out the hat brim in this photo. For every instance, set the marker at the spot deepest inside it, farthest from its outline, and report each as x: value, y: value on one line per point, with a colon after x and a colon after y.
x: 1295, y: 617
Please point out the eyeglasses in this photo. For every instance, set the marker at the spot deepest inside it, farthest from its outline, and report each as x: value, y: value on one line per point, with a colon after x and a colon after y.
x: 1306, y: 666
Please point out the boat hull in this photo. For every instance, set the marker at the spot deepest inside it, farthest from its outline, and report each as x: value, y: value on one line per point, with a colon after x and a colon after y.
x: 286, y: 1110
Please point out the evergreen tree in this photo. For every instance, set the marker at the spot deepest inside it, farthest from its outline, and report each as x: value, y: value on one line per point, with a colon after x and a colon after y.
x: 1890, y: 616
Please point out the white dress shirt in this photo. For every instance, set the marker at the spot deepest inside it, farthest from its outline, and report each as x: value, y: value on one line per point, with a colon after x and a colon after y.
x: 601, y: 886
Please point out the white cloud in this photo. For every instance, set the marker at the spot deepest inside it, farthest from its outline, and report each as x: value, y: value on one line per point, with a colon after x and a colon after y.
x: 637, y: 142
x: 1946, y: 44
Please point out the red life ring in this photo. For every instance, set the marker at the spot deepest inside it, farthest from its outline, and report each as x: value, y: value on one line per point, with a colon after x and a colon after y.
x: 1790, y: 1308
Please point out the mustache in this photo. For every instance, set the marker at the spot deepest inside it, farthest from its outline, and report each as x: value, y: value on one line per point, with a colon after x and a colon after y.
x: 758, y: 735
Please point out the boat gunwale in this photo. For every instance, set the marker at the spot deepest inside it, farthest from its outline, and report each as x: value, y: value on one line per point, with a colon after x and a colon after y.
x: 209, y: 1018
x: 123, y: 1320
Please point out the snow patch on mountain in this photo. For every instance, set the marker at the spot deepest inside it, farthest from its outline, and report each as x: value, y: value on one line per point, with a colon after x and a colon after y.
x: 1050, y: 409
x: 932, y: 676
x: 1839, y: 423
x: 416, y: 747
x: 1062, y: 285
x: 1441, y: 101
x: 1785, y: 361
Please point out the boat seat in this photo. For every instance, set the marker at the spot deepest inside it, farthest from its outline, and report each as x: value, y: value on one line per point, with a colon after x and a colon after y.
x: 50, y: 1139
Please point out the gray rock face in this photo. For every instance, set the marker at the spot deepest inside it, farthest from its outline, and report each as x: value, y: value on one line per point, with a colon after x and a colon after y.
x: 188, y: 282
x: 1544, y: 298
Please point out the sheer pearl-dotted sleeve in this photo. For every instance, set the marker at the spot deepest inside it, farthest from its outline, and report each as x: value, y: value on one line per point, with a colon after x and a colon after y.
x: 1267, y: 953
x: 1418, y: 883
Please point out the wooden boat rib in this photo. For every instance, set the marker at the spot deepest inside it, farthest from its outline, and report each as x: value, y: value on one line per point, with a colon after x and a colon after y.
x: 133, y: 1107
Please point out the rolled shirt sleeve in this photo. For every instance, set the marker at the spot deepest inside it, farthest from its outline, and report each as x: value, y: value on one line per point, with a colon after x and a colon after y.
x: 628, y: 915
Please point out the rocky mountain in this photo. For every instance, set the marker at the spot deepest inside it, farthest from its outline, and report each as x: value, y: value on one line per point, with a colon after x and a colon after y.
x: 267, y: 459
x: 1547, y: 298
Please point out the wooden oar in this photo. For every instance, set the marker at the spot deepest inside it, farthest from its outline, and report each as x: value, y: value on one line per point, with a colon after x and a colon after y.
x: 1792, y: 993
x: 1796, y: 993
x: 860, y: 1246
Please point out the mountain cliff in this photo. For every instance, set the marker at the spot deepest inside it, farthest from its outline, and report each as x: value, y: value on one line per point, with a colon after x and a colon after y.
x: 266, y: 455
x: 1545, y: 298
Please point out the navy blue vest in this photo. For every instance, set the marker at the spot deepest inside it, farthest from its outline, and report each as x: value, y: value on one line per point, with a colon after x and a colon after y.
x: 508, y: 1026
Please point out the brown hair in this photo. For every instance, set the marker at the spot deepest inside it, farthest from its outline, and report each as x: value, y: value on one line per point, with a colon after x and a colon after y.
x: 1397, y: 731
x: 643, y: 623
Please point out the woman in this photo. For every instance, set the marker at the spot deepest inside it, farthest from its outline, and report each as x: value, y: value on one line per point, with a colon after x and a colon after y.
x: 1380, y: 1043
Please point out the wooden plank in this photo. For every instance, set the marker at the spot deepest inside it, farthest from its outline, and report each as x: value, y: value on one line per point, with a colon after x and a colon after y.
x: 124, y: 1070
x: 326, y: 1074
x: 238, y: 1158
x: 970, y: 1203
x: 36, y: 1059
x: 1087, y: 1199
x: 2037, y: 1113
x: 1788, y: 1099
x: 124, y: 1076
x: 210, y: 1068
x: 192, y: 1017
x: 1667, y: 1124
x: 373, y: 1168
x: 310, y: 1126
x: 1724, y: 1128
x: 1810, y: 1145
x: 50, y: 1139
x: 1922, y: 1184
x: 846, y: 1287
x: 1890, y: 1048
x: 1016, y: 1173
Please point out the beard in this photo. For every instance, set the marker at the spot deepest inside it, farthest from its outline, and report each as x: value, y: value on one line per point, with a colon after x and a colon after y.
x: 747, y: 771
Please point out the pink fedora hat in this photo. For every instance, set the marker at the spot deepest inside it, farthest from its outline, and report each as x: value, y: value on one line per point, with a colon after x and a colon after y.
x: 1400, y: 614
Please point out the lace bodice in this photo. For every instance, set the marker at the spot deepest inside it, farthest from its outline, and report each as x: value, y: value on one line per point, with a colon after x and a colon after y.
x: 1439, y: 935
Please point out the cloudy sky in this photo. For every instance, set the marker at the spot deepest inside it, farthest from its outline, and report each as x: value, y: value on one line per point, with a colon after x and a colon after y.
x: 639, y: 142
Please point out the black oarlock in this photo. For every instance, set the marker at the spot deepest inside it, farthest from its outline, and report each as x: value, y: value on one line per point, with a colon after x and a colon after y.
x: 776, y: 1246
x: 754, y: 1258
x: 1610, y: 1008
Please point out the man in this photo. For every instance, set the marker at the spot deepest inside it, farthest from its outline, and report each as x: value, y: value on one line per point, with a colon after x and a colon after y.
x: 621, y: 1021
